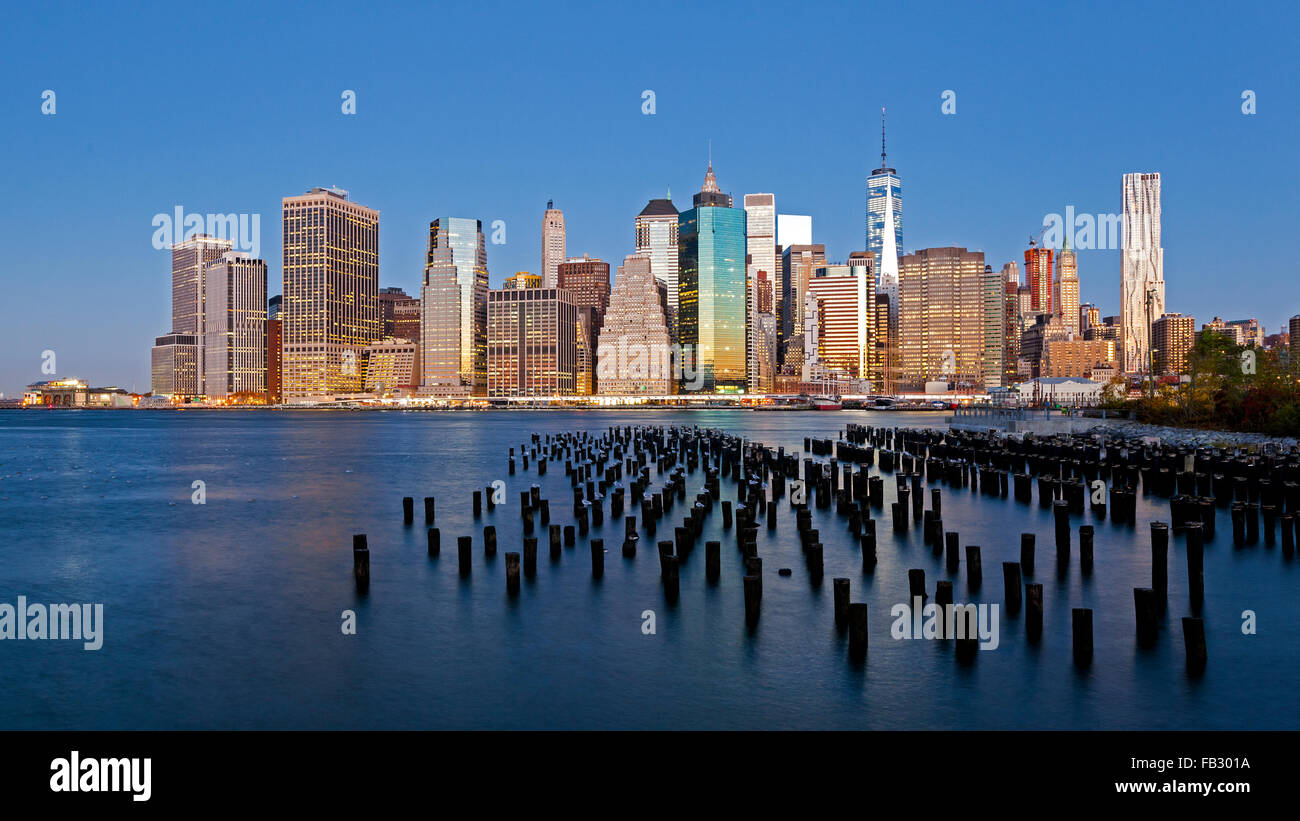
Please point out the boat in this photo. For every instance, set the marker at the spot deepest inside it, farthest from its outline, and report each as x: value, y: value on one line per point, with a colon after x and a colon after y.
x: 824, y: 403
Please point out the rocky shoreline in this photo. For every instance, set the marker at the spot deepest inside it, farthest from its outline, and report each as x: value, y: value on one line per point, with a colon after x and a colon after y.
x: 1190, y: 436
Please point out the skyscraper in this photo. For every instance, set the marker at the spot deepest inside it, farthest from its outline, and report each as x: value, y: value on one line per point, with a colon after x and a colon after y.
x: 1010, y: 322
x: 1038, y: 276
x: 760, y: 246
x: 552, y: 244
x: 234, y: 346
x: 885, y: 218
x: 1066, y: 298
x: 798, y: 264
x: 532, y: 342
x: 331, y: 291
x: 712, y: 290
x: 656, y: 238
x: 1142, y: 270
x: 389, y: 301
x: 453, y: 322
x: 634, y: 353
x: 845, y: 300
x: 587, y: 278
x: 941, y: 314
x: 1171, y: 336
x: 994, y: 326
x: 190, y: 260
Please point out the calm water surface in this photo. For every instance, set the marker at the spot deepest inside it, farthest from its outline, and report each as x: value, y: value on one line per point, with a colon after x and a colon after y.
x: 227, y: 615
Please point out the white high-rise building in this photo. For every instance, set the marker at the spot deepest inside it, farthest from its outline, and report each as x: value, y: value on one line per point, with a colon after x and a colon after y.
x: 553, y: 242
x: 1142, y: 270
x: 793, y: 229
x: 760, y: 247
x: 656, y: 238
x: 234, y: 346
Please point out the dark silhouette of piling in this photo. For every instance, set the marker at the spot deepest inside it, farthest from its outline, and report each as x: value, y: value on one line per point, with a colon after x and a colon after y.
x: 1027, y: 552
x: 672, y: 582
x: 1011, y: 586
x: 478, y: 503
x: 954, y: 557
x: 1085, y: 548
x: 435, y: 542
x: 1195, y: 563
x: 857, y: 617
x: 428, y: 509
x: 943, y: 600
x: 490, y: 541
x: 512, y: 573
x: 1033, y: 612
x: 570, y: 538
x: 597, y: 558
x: 752, y: 596
x: 1160, y: 562
x: 408, y: 509
x: 841, y: 586
x: 974, y: 569
x: 1081, y: 624
x: 1144, y: 603
x: 554, y: 533
x: 464, y: 547
x: 916, y: 584
x: 713, y: 560
x: 1194, y: 644
x: 530, y: 556
x: 361, y: 562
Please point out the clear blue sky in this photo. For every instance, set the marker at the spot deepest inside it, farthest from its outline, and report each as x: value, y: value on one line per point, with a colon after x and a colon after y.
x: 485, y: 110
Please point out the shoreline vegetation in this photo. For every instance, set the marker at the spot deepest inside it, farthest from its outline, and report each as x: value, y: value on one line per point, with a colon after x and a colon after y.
x: 1230, y: 388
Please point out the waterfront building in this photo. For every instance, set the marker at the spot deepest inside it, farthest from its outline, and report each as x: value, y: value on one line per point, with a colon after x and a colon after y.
x: 190, y: 260
x: 798, y: 262
x: 1142, y: 270
x: 390, y: 300
x: 553, y: 244
x: 330, y: 310
x: 174, y: 366
x: 712, y: 291
x: 389, y: 366
x: 634, y: 353
x: 941, y: 317
x: 274, y: 360
x: 1171, y: 338
x: 994, y: 343
x: 532, y: 342
x: 760, y: 244
x: 1010, y: 321
x: 453, y: 320
x: 845, y: 297
x: 234, y: 346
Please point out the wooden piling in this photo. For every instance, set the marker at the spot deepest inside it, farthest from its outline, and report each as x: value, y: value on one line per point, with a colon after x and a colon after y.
x: 841, y: 587
x: 408, y: 509
x: 1144, y: 603
x: 512, y: 573
x: 1011, y: 586
x: 1081, y: 624
x: 857, y: 617
x: 435, y: 542
x: 1033, y: 612
x: 361, y: 562
x: 1194, y: 644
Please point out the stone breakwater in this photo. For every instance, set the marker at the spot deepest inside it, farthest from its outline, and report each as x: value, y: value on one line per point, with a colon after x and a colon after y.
x: 1191, y: 437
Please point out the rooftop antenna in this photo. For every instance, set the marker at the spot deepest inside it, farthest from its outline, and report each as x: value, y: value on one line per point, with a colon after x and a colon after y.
x: 882, y: 137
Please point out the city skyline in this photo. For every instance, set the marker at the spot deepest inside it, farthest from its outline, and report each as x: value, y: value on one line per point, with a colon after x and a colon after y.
x: 1181, y: 119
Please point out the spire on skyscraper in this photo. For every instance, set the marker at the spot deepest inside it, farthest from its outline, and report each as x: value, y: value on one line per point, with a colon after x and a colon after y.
x: 710, y: 181
x: 882, y: 137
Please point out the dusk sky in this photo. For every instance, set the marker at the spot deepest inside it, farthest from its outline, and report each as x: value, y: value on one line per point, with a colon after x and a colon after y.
x: 487, y: 111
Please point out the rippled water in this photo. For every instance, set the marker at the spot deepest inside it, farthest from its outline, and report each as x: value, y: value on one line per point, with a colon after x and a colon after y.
x: 227, y: 614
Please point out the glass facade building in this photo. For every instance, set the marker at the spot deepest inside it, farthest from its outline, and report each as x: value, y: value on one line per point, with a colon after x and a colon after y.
x: 453, y: 328
x: 712, y: 292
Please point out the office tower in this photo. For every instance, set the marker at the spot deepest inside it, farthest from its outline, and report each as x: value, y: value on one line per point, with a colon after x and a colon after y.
x: 274, y: 360
x: 389, y: 300
x: 331, y: 292
x: 1293, y: 330
x: 1025, y: 307
x: 587, y: 339
x: 881, y: 378
x: 1010, y: 322
x: 1252, y: 333
x: 553, y: 250
x: 656, y: 238
x: 1076, y: 357
x: 389, y: 366
x: 234, y: 345
x: 885, y: 219
x: 587, y: 278
x: 1089, y: 317
x: 634, y: 353
x: 406, y: 322
x: 453, y: 320
x: 1038, y: 276
x: 174, y: 366
x: 798, y: 263
x: 994, y: 326
x: 1142, y: 270
x: 273, y: 306
x: 941, y: 317
x: 793, y: 229
x: 1036, y: 340
x: 1171, y: 337
x: 522, y: 280
x: 845, y: 297
x: 760, y: 244
x: 712, y: 291
x: 190, y: 259
x: 1066, y: 298
x: 532, y: 342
